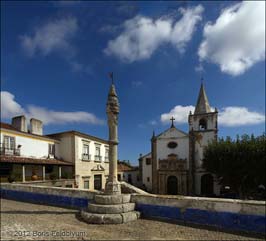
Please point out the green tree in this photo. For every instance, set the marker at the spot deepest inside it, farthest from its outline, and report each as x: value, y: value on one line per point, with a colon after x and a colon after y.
x: 238, y: 163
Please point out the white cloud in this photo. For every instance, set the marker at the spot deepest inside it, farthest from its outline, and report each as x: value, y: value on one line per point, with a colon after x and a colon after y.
x: 239, y: 116
x: 236, y: 41
x: 179, y: 112
x: 227, y: 116
x: 52, y: 36
x: 10, y: 108
x: 142, y: 35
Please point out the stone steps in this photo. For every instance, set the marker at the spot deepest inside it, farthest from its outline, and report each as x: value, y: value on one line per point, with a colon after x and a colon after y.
x: 111, y: 208
x: 95, y: 218
x: 112, y: 199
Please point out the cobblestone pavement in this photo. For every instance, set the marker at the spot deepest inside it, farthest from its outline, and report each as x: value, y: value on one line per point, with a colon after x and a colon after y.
x: 26, y: 221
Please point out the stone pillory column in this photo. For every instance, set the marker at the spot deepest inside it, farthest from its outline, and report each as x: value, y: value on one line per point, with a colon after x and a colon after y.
x: 112, y: 206
x: 112, y: 185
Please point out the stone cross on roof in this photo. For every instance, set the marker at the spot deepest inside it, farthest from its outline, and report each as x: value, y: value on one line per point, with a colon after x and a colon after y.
x: 172, y: 119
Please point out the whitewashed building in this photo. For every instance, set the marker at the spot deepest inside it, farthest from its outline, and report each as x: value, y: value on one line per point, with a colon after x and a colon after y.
x: 128, y: 173
x: 145, y: 168
x: 89, y: 154
x: 26, y: 154
x: 174, y: 165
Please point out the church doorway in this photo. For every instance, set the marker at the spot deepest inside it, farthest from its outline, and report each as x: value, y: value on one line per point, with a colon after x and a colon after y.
x: 207, y: 185
x: 172, y: 185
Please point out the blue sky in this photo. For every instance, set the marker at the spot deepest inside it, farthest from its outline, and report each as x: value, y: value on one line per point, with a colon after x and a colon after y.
x: 56, y: 55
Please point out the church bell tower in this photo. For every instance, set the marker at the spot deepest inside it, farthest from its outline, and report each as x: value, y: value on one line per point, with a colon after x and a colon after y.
x: 202, y: 130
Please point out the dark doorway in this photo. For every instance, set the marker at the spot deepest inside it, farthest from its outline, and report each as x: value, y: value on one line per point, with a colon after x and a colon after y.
x: 172, y: 185
x: 97, y: 182
x: 207, y: 185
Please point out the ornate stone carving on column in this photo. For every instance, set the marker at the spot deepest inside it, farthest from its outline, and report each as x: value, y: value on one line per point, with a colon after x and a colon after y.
x: 112, y: 185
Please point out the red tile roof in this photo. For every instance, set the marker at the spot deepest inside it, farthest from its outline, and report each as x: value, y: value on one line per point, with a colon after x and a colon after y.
x: 124, y: 167
x: 28, y: 160
x: 10, y: 127
x: 7, y: 126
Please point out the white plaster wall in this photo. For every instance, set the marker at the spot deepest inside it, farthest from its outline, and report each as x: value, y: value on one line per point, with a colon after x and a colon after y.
x: 134, y: 177
x: 182, y: 149
x: 207, y: 138
x: 65, y: 148
x: 172, y: 134
x: 79, y: 148
x: 83, y: 168
x: 30, y: 146
x: 147, y: 172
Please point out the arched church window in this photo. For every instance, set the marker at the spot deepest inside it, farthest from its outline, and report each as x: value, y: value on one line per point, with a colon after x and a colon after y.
x: 202, y: 124
x: 172, y: 144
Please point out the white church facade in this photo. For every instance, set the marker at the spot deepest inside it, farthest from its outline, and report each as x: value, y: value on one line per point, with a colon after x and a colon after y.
x: 174, y: 165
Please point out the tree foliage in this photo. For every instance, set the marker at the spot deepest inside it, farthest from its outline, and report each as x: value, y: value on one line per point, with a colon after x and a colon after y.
x: 238, y: 163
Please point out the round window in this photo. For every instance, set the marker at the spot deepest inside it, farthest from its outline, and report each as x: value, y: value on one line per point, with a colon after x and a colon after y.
x: 172, y: 144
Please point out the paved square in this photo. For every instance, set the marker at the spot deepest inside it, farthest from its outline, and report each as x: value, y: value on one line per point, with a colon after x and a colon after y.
x: 26, y: 221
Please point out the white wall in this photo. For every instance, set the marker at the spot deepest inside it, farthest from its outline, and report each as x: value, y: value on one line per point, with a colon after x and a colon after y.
x: 65, y: 148
x: 135, y: 177
x: 147, y: 172
x: 207, y: 138
x: 83, y: 169
x: 30, y: 146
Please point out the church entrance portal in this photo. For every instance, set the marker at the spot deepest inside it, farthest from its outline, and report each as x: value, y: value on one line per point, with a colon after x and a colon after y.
x: 207, y: 185
x: 172, y: 185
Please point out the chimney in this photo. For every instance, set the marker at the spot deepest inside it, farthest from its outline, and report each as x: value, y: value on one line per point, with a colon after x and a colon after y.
x: 19, y: 122
x: 36, y: 127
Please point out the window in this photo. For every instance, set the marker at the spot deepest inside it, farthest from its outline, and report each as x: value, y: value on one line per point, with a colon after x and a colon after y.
x: 86, y: 184
x: 86, y: 149
x: 148, y: 179
x: 51, y: 150
x: 172, y: 145
x: 202, y: 124
x: 9, y: 142
x: 119, y: 177
x: 138, y: 179
x: 98, y: 153
x: 106, y: 157
x: 129, y: 178
x: 148, y: 161
x: 97, y: 150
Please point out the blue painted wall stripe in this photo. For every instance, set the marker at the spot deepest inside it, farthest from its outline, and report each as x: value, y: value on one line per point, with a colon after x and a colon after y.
x: 227, y: 220
x: 41, y: 198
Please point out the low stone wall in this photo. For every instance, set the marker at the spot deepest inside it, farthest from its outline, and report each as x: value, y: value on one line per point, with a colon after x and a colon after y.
x: 58, y: 196
x: 55, y: 183
x: 222, y: 213
x: 128, y: 188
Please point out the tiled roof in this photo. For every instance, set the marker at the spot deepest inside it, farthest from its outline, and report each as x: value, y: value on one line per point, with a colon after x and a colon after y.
x: 123, y: 167
x: 7, y: 126
x: 10, y: 127
x: 29, y: 160
x: 57, y: 135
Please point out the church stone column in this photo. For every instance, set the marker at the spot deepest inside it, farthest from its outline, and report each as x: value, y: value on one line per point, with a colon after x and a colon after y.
x: 112, y: 185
